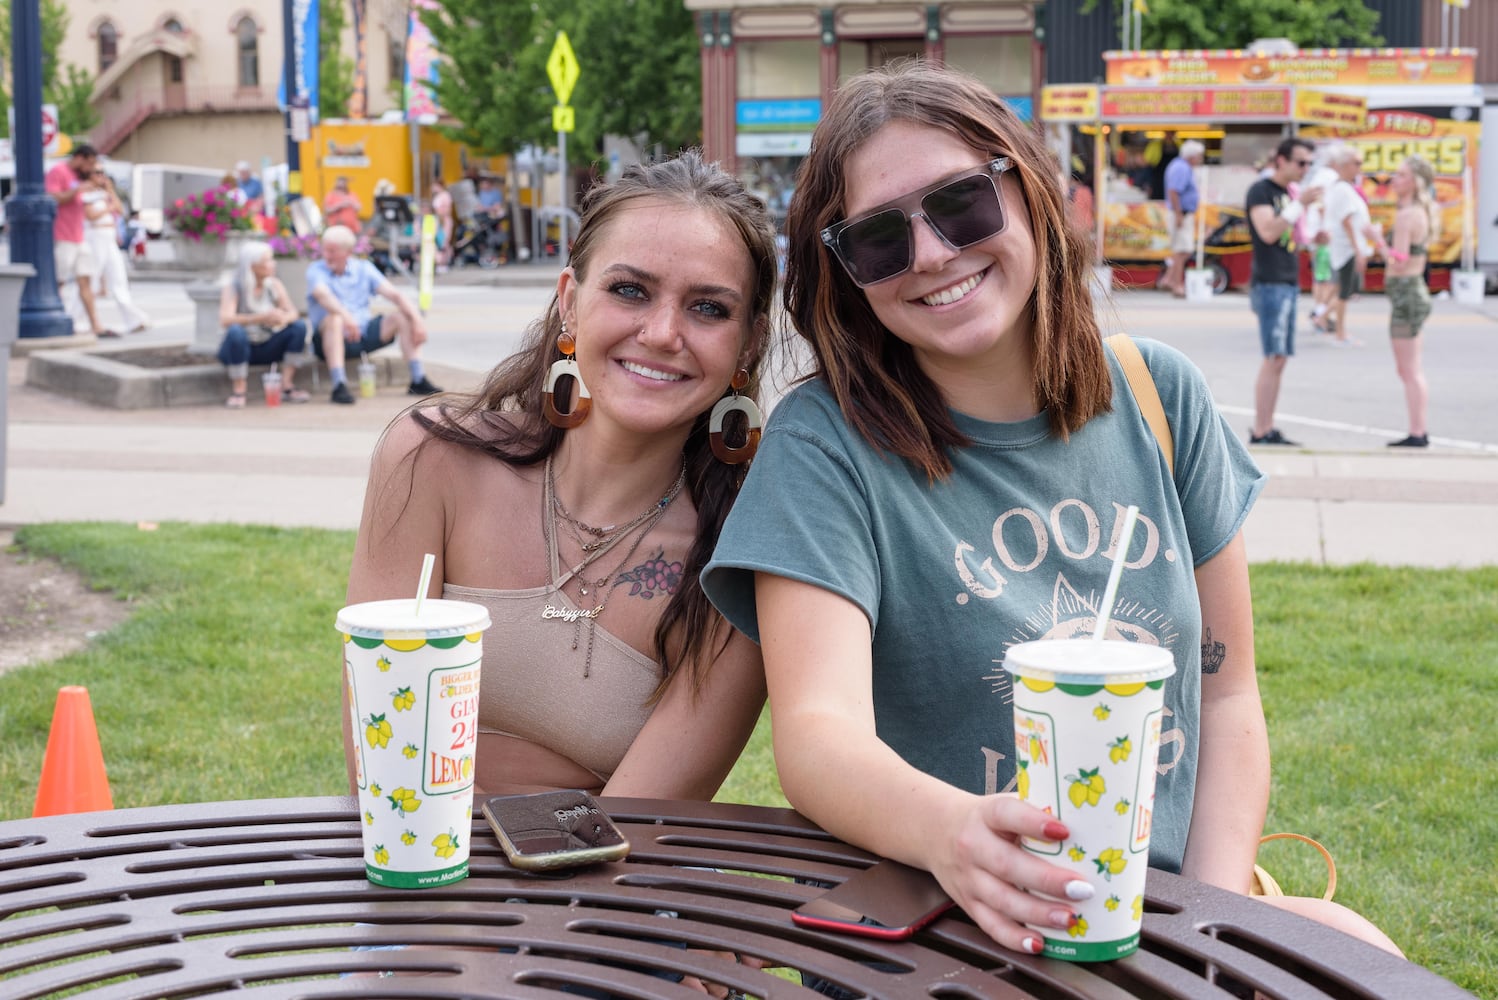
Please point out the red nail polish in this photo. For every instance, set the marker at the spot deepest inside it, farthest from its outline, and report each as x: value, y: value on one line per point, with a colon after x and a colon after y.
x: 1055, y: 830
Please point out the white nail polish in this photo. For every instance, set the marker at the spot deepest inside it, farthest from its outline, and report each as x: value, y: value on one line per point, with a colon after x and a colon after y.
x: 1079, y: 890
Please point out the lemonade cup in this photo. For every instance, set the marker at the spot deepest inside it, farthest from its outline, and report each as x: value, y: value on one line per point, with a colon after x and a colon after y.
x: 412, y: 679
x: 1087, y: 734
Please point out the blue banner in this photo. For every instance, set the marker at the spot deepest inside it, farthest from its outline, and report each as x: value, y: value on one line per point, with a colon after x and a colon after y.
x: 779, y: 116
x: 305, y: 15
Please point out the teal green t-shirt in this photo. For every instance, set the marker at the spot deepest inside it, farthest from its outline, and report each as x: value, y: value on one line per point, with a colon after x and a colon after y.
x: 1014, y: 545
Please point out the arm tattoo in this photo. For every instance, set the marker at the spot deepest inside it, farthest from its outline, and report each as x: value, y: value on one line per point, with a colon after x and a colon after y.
x: 1213, y: 653
x: 653, y: 576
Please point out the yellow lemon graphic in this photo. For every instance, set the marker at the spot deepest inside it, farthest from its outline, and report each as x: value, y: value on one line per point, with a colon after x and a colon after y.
x: 1110, y: 863
x: 1119, y: 750
x: 377, y: 731
x: 382, y: 856
x: 1087, y: 787
x: 1078, y: 927
x: 404, y: 800
x: 405, y: 645
x: 408, y: 838
x: 374, y: 790
x: 1039, y: 687
x: 1121, y: 807
x: 468, y: 766
x: 1036, y: 748
x: 1124, y: 690
x: 1101, y: 712
x: 1111, y: 903
x: 473, y: 637
x: 410, y: 750
x: 446, y: 844
x: 368, y: 818
x: 1022, y: 779
x: 383, y: 664
x: 402, y: 699
x: 1136, y: 909
x: 1078, y: 853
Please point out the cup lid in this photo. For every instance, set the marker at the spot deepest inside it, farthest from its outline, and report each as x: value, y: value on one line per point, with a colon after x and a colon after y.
x: 398, y: 618
x: 1085, y: 661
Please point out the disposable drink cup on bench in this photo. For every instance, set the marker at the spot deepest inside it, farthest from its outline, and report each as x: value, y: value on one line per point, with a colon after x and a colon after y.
x: 413, y: 691
x: 1087, y: 735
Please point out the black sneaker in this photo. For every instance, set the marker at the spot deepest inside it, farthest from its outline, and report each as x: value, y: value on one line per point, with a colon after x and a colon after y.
x: 341, y: 394
x: 1271, y: 436
x: 1413, y: 441
x: 421, y: 387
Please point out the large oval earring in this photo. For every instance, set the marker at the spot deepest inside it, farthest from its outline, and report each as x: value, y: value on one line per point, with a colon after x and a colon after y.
x: 721, y: 449
x: 566, y: 366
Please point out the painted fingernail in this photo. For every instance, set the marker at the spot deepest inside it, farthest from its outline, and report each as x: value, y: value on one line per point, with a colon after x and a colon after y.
x: 1079, y: 890
x: 1032, y: 945
x: 1062, y: 918
x: 1055, y: 830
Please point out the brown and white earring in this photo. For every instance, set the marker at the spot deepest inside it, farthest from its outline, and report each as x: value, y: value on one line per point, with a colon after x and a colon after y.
x: 755, y: 420
x: 566, y: 366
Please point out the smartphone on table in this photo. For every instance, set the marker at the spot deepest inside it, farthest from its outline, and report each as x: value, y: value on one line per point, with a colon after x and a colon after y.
x: 544, y: 831
x: 889, y: 901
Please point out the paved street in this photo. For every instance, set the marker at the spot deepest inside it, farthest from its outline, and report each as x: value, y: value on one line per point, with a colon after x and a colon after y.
x: 1343, y: 498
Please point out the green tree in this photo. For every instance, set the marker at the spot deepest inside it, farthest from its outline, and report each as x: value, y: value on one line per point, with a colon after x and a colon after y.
x: 335, y: 74
x: 60, y: 85
x: 1233, y: 24
x: 638, y: 60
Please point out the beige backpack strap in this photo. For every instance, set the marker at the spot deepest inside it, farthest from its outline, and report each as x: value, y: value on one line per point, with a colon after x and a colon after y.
x: 1146, y: 396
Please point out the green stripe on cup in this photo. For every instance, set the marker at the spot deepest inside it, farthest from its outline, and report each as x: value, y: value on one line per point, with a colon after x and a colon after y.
x: 449, y: 642
x: 416, y: 880
x: 365, y: 642
x: 1091, y: 951
x: 1079, y: 690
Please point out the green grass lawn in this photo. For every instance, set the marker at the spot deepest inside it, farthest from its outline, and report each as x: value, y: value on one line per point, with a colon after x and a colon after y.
x: 1379, y: 685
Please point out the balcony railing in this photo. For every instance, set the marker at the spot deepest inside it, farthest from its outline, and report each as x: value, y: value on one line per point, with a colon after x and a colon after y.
x: 177, y: 100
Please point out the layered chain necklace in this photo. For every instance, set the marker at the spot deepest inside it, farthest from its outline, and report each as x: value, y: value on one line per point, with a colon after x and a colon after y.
x: 594, y: 542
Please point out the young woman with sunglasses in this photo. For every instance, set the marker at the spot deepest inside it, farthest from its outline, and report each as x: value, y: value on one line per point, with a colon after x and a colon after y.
x: 951, y: 482
x: 579, y: 491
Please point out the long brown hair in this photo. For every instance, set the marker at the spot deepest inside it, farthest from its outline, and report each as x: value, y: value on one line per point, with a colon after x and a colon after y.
x: 503, y: 418
x: 874, y: 375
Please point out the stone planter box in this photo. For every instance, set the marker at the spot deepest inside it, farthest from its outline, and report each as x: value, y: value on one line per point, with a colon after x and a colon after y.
x: 293, y: 274
x: 208, y: 254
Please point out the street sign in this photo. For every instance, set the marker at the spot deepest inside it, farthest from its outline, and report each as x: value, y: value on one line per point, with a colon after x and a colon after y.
x: 49, y: 129
x: 561, y: 69
x: 562, y: 118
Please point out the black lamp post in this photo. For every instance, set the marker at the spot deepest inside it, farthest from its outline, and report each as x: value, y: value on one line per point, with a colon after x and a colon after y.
x: 289, y: 70
x: 30, y: 211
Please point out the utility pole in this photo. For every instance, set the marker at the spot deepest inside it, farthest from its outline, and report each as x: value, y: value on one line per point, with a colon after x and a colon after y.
x: 30, y: 211
x: 293, y: 147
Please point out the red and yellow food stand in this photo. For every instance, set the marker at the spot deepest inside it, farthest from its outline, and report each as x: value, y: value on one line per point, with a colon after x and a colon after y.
x: 1387, y: 103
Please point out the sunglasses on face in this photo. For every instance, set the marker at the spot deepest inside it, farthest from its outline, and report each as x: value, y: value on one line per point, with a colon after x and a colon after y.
x: 961, y: 210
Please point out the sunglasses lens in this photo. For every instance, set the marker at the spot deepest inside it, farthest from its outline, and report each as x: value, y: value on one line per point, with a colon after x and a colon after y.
x: 966, y: 211
x: 877, y: 247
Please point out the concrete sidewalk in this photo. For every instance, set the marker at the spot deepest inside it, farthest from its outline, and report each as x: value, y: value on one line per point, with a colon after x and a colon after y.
x: 306, y: 465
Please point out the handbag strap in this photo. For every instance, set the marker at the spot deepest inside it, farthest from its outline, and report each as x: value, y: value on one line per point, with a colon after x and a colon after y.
x: 1146, y: 396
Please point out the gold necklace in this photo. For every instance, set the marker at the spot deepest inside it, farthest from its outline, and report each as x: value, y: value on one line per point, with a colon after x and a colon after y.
x: 645, y: 523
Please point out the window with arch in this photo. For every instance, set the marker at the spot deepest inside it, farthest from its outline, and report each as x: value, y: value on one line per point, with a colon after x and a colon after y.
x: 174, y: 26
x: 248, y: 36
x: 109, y: 45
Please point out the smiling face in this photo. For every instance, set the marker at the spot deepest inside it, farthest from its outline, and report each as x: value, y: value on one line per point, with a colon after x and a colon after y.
x: 662, y: 315
x: 959, y: 310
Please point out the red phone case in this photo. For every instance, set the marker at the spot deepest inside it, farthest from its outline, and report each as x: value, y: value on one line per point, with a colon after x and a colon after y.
x: 889, y: 901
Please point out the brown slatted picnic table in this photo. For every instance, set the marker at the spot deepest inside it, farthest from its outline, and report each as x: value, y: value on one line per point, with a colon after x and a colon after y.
x: 270, y: 897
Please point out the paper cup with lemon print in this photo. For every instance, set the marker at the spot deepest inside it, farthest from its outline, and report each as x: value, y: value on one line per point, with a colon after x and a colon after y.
x: 413, y: 695
x: 1086, y: 734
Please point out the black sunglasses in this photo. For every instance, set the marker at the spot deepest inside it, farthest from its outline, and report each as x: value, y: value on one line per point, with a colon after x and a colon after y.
x: 961, y: 210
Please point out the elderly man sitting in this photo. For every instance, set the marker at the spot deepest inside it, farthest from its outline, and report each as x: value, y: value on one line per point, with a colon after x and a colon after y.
x: 340, y: 288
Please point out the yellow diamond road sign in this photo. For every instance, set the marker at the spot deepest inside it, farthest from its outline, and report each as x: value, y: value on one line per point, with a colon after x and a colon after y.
x: 561, y: 68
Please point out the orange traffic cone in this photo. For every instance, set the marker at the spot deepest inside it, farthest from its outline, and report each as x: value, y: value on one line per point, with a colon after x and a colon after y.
x: 73, y: 778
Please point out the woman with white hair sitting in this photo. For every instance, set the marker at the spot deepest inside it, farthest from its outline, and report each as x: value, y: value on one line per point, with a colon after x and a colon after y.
x: 261, y: 326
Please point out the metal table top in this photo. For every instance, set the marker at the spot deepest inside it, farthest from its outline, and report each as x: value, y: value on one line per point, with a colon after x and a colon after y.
x: 270, y: 896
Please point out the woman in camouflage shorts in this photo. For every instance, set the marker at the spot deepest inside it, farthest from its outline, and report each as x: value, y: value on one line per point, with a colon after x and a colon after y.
x: 1415, y: 225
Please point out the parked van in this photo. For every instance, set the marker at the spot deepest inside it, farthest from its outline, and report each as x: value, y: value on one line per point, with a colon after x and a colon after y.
x: 155, y: 186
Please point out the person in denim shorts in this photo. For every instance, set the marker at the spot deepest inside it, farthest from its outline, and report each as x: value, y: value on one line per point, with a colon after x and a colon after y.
x: 1275, y: 282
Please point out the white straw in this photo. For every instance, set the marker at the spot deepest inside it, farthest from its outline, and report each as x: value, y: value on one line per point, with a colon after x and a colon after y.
x: 1105, y: 610
x: 426, y: 579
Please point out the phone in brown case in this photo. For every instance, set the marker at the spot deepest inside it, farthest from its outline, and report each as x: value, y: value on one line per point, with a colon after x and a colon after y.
x: 889, y: 901
x: 545, y: 831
